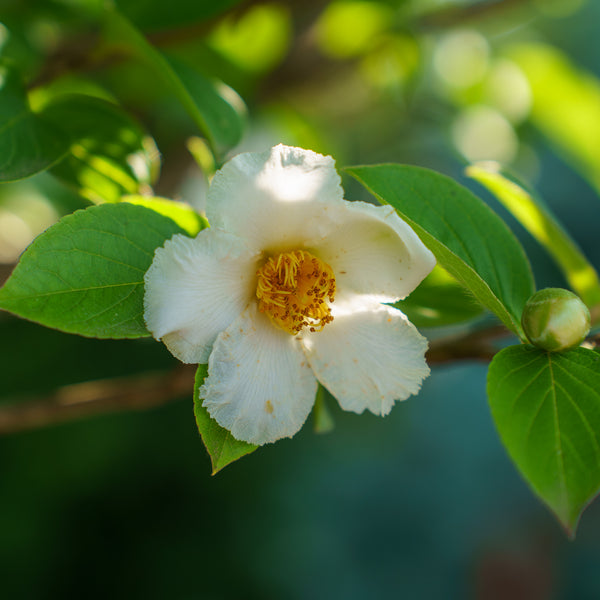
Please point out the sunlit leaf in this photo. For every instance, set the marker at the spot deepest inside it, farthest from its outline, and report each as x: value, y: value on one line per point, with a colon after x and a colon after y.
x: 566, y: 105
x: 544, y: 227
x: 85, y: 274
x: 221, y: 446
x: 204, y: 158
x: 546, y: 407
x: 183, y: 214
x: 28, y: 144
x: 469, y: 240
x: 109, y: 154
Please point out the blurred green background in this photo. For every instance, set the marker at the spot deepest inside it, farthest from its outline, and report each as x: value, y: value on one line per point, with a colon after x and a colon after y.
x: 422, y: 504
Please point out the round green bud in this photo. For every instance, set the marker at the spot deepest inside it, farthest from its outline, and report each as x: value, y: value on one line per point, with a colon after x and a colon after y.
x: 555, y: 320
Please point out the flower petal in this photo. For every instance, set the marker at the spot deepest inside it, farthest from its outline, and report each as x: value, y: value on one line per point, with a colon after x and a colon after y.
x: 276, y: 199
x: 195, y: 288
x: 259, y: 384
x: 373, y: 251
x: 368, y: 357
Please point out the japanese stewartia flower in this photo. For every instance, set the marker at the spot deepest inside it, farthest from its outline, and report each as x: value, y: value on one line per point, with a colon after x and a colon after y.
x: 287, y: 289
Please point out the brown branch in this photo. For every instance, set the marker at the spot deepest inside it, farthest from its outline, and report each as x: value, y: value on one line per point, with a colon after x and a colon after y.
x: 478, y: 345
x: 80, y: 400
x: 458, y: 15
x: 149, y: 390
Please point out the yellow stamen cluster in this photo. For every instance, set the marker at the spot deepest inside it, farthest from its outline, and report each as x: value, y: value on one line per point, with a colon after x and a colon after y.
x: 293, y: 290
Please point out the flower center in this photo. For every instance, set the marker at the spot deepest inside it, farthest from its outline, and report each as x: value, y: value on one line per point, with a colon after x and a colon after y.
x: 293, y: 289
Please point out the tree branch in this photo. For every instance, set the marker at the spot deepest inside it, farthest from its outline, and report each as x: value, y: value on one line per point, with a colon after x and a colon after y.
x: 80, y: 400
x: 477, y: 345
x: 464, y: 15
x: 150, y: 390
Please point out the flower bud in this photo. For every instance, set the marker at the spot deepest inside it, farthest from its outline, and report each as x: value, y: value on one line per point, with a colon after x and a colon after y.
x: 555, y: 320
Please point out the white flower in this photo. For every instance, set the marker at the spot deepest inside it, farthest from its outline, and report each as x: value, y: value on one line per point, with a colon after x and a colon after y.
x: 285, y: 289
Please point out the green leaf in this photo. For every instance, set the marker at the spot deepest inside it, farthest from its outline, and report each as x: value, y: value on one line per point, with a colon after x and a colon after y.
x: 215, y: 108
x: 222, y: 447
x: 109, y: 154
x: 439, y: 301
x: 28, y: 144
x: 544, y: 227
x: 547, y: 410
x: 85, y: 274
x: 469, y: 240
x: 183, y: 214
x: 566, y: 105
x: 322, y: 420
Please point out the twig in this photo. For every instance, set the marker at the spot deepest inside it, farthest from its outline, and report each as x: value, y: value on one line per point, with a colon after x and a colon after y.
x: 139, y: 392
x: 458, y: 15
x: 146, y: 391
x: 477, y: 345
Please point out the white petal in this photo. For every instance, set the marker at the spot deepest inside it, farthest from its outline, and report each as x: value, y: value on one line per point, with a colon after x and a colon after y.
x: 259, y: 384
x: 373, y: 251
x: 368, y: 357
x: 195, y: 288
x: 276, y: 199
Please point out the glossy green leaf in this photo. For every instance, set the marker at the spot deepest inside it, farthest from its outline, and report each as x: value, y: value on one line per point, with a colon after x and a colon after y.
x: 216, y: 105
x: 566, y: 105
x: 28, y: 144
x: 221, y: 446
x: 215, y: 108
x: 544, y: 227
x: 183, y: 214
x: 469, y: 240
x: 546, y: 407
x: 85, y: 274
x: 109, y: 153
x: 438, y: 301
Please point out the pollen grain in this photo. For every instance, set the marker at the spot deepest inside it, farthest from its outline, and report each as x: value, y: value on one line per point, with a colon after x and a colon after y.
x: 294, y: 290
